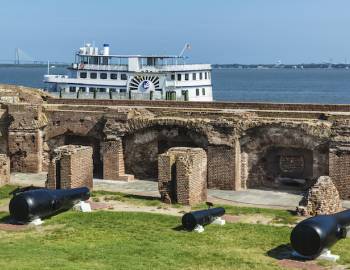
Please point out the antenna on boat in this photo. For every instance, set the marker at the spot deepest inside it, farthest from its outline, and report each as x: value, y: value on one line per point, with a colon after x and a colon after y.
x: 185, y: 48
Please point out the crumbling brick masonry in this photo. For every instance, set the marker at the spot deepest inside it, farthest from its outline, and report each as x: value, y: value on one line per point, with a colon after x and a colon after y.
x: 4, y: 169
x: 113, y: 161
x: 183, y: 175
x: 321, y: 199
x: 70, y: 167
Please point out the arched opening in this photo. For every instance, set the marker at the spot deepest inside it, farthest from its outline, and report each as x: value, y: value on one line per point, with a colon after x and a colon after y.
x: 68, y: 138
x: 282, y: 158
x: 141, y: 149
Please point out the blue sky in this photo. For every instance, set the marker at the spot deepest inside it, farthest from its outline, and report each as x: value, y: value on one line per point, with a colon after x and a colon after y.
x: 220, y: 31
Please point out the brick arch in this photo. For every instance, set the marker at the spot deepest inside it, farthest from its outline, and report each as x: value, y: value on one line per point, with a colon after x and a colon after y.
x: 276, y: 154
x: 145, y: 140
x: 76, y: 138
x: 136, y: 125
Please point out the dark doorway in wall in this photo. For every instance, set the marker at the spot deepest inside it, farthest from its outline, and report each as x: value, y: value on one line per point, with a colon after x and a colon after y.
x: 95, y: 144
x: 58, y: 174
x: 289, y: 167
x: 141, y: 149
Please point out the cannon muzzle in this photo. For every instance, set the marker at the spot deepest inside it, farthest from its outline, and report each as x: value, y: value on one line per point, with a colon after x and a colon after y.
x: 29, y: 205
x: 311, y: 236
x: 202, y: 217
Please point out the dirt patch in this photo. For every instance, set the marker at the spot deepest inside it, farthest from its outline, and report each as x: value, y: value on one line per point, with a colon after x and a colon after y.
x: 100, y: 205
x: 251, y: 219
x: 232, y: 218
x: 13, y: 227
x: 308, y: 265
x: 128, y: 207
x: 256, y: 219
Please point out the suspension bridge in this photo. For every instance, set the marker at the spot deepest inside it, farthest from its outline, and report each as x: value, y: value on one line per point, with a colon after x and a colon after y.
x: 23, y: 58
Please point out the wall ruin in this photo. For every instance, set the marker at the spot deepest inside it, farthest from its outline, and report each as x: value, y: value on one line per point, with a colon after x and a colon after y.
x: 247, y: 145
x: 70, y: 167
x: 183, y: 175
x: 320, y: 199
x: 4, y: 170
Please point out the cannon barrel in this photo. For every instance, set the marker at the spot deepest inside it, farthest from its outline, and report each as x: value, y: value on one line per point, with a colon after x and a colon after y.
x: 311, y: 236
x: 29, y: 205
x: 202, y: 217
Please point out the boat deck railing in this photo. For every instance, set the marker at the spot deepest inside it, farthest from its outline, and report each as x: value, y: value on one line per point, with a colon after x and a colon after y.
x: 112, y: 96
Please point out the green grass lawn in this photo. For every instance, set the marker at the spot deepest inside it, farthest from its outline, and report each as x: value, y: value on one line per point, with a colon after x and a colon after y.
x: 118, y: 240
x: 123, y: 240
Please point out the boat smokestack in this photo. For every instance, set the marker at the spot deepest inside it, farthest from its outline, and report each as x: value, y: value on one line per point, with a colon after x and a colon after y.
x: 106, y: 49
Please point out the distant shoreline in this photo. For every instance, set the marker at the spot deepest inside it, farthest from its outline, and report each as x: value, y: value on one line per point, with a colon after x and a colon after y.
x: 281, y: 66
x: 33, y: 65
x: 221, y: 66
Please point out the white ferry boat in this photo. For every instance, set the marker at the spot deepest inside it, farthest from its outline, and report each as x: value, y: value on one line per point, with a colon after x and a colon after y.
x: 96, y: 71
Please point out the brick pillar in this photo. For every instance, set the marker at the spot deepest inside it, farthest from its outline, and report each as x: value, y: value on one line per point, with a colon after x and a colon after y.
x: 166, y: 178
x: 75, y: 167
x: 183, y: 175
x: 222, y: 164
x: 113, y: 161
x: 51, y: 174
x: 339, y: 167
x: 4, y: 170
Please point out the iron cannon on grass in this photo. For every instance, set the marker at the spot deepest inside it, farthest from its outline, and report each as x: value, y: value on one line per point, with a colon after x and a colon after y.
x: 314, y: 235
x: 27, y: 205
x: 201, y: 218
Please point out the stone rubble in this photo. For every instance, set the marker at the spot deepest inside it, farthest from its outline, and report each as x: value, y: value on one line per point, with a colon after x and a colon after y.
x: 321, y: 199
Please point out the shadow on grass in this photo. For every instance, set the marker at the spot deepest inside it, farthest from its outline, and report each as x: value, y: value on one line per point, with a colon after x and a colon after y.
x: 8, y: 220
x: 281, y: 252
x: 142, y: 197
x: 179, y: 228
x: 292, y: 212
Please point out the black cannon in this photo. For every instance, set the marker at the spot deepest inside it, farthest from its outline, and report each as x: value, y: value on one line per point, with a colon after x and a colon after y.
x: 40, y: 203
x: 311, y: 236
x: 202, y: 217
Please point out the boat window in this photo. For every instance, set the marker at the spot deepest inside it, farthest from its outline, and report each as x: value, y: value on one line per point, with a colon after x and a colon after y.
x: 82, y: 89
x: 197, y: 92
x: 187, y: 77
x: 93, y: 75
x: 114, y: 76
x: 103, y: 76
x: 103, y: 90
x: 93, y: 60
x: 113, y: 90
x: 123, y: 90
x: 206, y: 75
x: 83, y: 75
x: 201, y: 76
x: 104, y: 60
x: 203, y: 91
x: 72, y: 89
x: 123, y: 77
x: 194, y: 76
x: 179, y: 77
x: 173, y: 77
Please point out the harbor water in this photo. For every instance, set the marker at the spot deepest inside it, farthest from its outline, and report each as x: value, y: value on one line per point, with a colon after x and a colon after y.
x: 245, y: 85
